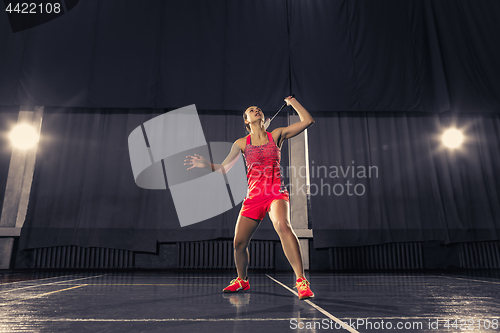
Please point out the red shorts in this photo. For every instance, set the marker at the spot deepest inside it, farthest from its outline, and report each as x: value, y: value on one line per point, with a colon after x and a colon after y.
x: 257, y: 207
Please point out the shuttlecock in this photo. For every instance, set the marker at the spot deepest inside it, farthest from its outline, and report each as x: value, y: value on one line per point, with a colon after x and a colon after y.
x: 267, y: 123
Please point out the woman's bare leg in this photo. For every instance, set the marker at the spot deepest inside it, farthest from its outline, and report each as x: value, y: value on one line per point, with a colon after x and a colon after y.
x: 245, y: 228
x: 279, y: 214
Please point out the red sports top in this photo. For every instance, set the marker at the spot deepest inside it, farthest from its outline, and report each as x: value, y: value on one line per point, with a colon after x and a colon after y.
x: 263, y: 169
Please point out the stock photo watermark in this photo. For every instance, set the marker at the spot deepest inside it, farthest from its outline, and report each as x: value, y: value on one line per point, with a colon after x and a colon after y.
x: 333, y: 180
x: 370, y: 324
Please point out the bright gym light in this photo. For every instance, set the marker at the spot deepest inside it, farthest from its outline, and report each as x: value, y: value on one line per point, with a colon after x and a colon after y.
x: 452, y: 138
x: 23, y: 136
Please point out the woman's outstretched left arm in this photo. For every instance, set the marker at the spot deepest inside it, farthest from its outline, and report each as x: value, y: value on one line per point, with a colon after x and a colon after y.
x: 306, y: 120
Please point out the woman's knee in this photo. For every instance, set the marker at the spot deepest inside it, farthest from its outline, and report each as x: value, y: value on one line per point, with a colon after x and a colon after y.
x: 240, y: 245
x: 282, y: 226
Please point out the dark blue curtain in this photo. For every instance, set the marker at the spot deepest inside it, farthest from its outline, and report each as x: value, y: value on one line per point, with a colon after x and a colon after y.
x: 84, y: 191
x: 350, y: 55
x: 381, y: 78
x: 386, y: 177
x: 375, y: 178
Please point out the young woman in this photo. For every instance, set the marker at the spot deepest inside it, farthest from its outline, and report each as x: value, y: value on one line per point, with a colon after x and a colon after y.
x: 266, y: 193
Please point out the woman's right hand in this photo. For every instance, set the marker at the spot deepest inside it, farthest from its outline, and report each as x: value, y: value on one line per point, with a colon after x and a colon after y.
x: 196, y: 161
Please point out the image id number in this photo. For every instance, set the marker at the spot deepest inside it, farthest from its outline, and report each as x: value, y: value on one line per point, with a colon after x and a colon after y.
x: 34, y: 8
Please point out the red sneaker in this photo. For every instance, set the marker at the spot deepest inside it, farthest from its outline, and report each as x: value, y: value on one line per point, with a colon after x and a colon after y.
x: 237, y: 285
x: 302, y: 286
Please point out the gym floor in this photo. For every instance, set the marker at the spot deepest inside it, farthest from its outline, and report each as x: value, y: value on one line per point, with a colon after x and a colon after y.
x: 192, y: 301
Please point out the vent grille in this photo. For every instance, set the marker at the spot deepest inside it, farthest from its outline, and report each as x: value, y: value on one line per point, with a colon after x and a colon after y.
x: 80, y: 257
x: 480, y: 255
x: 219, y: 255
x: 378, y: 257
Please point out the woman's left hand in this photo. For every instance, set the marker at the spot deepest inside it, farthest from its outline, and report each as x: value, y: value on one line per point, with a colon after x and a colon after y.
x: 196, y: 161
x: 289, y: 99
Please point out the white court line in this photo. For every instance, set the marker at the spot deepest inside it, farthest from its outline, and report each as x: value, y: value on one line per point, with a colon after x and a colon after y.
x: 48, y: 284
x: 443, y: 318
x: 453, y: 277
x: 41, y: 295
x: 15, y: 320
x: 326, y: 313
x: 20, y: 320
x: 182, y: 277
x: 27, y: 281
x: 346, y: 275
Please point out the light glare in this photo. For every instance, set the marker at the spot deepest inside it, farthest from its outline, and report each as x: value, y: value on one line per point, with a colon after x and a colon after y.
x: 453, y: 138
x: 23, y: 136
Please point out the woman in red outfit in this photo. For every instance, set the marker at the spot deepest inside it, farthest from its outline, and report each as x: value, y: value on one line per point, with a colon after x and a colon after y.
x: 266, y: 193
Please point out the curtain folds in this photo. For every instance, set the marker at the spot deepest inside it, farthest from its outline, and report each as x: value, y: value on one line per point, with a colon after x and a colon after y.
x: 84, y: 191
x: 417, y: 189
x: 383, y: 79
x: 376, y: 177
x: 346, y: 55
